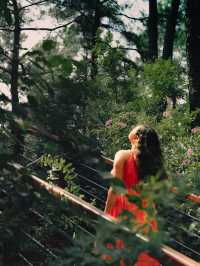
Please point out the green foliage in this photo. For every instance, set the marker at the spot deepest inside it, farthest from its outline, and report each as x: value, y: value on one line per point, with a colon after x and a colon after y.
x: 5, y: 147
x: 59, y: 62
x: 16, y: 197
x: 57, y: 95
x: 116, y: 78
x: 113, y: 134
x: 60, y: 169
x: 180, y: 146
x: 5, y: 11
x: 72, y: 40
x: 164, y: 78
x: 130, y: 249
x: 115, y: 87
x: 49, y: 45
x: 29, y: 217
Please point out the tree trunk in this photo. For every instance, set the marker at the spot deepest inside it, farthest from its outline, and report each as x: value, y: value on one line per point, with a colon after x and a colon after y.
x: 14, y: 78
x: 153, y: 30
x: 173, y: 101
x: 170, y: 30
x: 97, y: 23
x: 15, y: 60
x: 193, y: 55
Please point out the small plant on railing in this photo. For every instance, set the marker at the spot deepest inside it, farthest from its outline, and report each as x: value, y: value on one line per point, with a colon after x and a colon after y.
x: 60, y: 172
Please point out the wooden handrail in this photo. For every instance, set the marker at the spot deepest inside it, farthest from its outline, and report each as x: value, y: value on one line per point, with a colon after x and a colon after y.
x: 58, y: 192
x: 179, y: 257
x: 191, y: 197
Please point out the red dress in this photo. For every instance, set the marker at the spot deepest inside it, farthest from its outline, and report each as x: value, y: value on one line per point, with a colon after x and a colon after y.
x: 130, y: 178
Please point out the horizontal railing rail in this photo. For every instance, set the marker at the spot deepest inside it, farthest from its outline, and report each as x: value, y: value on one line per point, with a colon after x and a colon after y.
x: 58, y: 192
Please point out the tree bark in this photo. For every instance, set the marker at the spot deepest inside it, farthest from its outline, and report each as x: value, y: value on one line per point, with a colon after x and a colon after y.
x: 193, y: 55
x: 14, y: 79
x: 15, y: 59
x: 153, y: 30
x: 97, y: 24
x: 170, y: 30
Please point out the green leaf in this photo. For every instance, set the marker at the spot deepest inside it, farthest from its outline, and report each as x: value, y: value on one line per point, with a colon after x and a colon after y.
x: 117, y: 183
x: 48, y: 45
x: 135, y: 199
x: 59, y: 61
x: 67, y: 66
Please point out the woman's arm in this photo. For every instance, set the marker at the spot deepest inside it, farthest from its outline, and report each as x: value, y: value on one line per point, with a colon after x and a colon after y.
x: 110, y: 201
x: 117, y: 171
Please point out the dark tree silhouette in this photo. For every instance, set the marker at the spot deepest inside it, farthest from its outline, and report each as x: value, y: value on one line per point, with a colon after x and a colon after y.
x: 153, y: 30
x: 193, y: 55
x: 170, y: 30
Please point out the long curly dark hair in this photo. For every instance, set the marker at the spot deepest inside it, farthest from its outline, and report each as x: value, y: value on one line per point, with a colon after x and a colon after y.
x: 149, y: 157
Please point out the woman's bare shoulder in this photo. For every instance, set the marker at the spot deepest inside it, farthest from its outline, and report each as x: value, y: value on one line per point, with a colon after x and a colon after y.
x: 122, y: 154
x: 118, y: 164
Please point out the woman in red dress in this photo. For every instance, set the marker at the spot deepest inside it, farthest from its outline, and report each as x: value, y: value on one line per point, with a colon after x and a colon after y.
x: 132, y: 166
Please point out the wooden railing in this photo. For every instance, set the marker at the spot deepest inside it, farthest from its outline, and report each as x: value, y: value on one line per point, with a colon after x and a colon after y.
x: 177, y: 257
